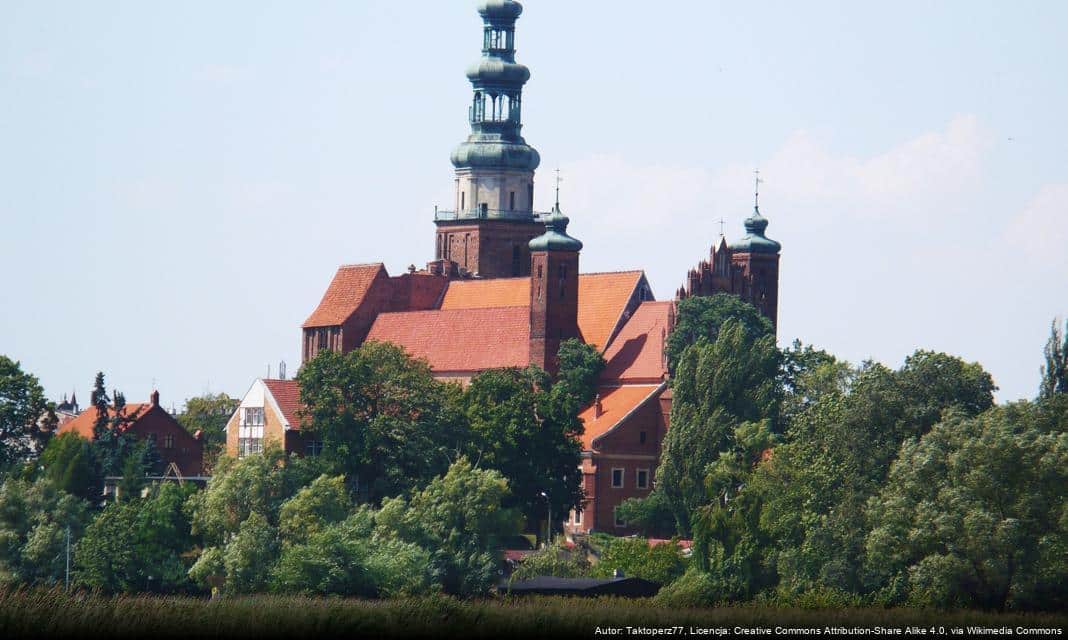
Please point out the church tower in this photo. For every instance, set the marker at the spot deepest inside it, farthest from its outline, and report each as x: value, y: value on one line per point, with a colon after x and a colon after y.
x: 758, y: 258
x: 554, y: 278
x: 493, y: 220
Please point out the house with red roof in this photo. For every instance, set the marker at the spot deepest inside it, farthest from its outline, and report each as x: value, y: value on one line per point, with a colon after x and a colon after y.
x: 269, y: 412
x: 504, y: 289
x: 149, y: 421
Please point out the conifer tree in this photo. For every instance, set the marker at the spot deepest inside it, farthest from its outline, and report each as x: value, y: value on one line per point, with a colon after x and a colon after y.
x: 1055, y: 371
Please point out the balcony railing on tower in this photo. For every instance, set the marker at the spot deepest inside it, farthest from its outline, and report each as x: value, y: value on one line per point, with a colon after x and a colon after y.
x: 484, y: 213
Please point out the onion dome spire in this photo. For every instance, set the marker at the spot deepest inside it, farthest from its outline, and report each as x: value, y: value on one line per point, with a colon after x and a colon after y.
x: 497, y: 81
x: 755, y: 225
x: 555, y: 237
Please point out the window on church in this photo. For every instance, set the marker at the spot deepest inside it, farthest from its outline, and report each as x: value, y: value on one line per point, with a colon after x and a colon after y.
x: 463, y: 201
x: 511, y: 200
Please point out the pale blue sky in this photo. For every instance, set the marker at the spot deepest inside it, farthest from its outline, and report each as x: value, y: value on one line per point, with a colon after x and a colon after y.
x: 179, y: 181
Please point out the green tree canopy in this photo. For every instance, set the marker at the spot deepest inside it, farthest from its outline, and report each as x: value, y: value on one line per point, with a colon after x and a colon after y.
x: 460, y: 519
x: 34, y: 520
x: 1055, y: 369
x: 528, y: 430
x: 385, y: 423
x: 69, y: 463
x: 138, y: 545
x: 973, y: 513
x: 703, y: 316
x: 718, y: 386
x: 209, y: 414
x: 22, y: 405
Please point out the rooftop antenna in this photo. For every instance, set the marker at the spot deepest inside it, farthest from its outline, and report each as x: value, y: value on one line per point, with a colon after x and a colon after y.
x: 558, y: 181
x: 756, y: 191
x: 282, y: 370
x: 268, y: 371
x: 722, y: 227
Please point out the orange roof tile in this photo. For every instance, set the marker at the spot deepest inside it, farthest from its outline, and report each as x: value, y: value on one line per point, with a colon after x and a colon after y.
x: 83, y: 424
x: 460, y: 339
x: 344, y: 295
x: 616, y: 404
x: 602, y: 299
x: 486, y: 294
x: 286, y: 395
x: 637, y: 352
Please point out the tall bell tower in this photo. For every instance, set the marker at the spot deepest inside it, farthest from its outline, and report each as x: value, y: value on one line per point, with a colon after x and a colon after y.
x: 488, y: 230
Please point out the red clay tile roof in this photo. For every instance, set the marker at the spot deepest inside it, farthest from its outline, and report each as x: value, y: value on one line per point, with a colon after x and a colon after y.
x: 83, y: 424
x: 286, y: 395
x: 486, y: 294
x: 637, y: 352
x: 602, y: 299
x: 616, y: 404
x: 344, y: 295
x: 460, y: 339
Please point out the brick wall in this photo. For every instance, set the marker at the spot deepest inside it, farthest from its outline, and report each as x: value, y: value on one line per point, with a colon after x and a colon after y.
x: 186, y: 451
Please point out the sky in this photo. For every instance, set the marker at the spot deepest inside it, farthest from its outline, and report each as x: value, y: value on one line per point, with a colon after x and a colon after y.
x: 179, y: 181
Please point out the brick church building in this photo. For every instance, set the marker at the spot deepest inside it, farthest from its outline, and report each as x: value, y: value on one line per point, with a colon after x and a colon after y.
x: 505, y: 288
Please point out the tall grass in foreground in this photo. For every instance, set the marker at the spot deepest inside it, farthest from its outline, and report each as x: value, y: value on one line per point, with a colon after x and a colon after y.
x: 54, y: 613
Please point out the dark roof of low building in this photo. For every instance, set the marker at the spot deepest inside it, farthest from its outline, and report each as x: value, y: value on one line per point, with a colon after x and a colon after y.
x: 550, y: 585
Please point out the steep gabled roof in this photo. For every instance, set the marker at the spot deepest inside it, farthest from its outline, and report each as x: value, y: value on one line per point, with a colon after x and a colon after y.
x: 345, y: 294
x: 602, y: 299
x: 286, y: 394
x: 83, y: 424
x: 637, y: 352
x: 460, y: 339
x: 617, y: 403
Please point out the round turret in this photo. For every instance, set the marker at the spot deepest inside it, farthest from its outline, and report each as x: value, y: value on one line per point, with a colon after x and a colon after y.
x: 755, y: 241
x: 495, y: 155
x: 555, y: 237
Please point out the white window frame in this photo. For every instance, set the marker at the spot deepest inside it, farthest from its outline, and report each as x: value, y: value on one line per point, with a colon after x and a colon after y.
x: 622, y: 477
x: 577, y: 517
x: 637, y: 481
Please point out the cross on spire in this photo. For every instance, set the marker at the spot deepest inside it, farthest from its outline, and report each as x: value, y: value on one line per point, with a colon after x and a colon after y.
x: 722, y: 227
x: 558, y: 181
x: 756, y: 192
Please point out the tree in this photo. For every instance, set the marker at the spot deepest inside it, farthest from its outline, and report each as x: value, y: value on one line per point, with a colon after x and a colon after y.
x: 662, y: 563
x: 580, y: 368
x: 460, y: 519
x: 139, y: 463
x: 138, y: 545
x: 718, y: 386
x: 384, y: 422
x: 112, y: 443
x: 973, y: 513
x: 1055, y: 370
x: 34, y: 522
x: 837, y: 454
x: 22, y: 405
x: 209, y: 415
x: 69, y: 464
x: 702, y: 316
x: 528, y: 430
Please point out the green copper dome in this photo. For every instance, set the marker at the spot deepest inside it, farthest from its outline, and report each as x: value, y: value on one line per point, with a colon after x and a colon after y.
x: 500, y: 9
x: 755, y: 241
x: 492, y: 71
x: 555, y: 237
x: 495, y: 154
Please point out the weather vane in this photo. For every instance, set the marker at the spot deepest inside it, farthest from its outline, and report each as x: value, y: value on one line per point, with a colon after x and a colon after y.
x: 756, y: 192
x: 558, y: 181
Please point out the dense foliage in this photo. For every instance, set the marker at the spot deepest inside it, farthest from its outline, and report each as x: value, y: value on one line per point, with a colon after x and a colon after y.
x: 22, y: 408
x: 208, y: 415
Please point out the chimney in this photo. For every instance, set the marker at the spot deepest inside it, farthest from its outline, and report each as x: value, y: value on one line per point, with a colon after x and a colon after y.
x: 598, y: 409
x: 154, y: 398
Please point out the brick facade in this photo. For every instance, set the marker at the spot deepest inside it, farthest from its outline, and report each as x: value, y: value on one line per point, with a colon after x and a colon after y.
x: 554, y: 283
x: 487, y: 248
